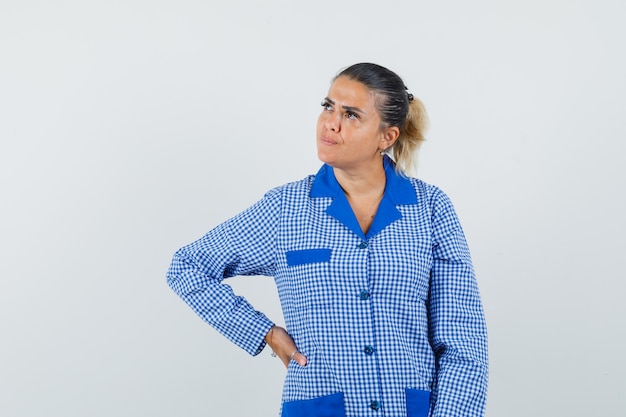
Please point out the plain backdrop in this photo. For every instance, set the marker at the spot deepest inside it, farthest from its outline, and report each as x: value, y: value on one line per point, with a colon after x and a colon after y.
x: 129, y: 128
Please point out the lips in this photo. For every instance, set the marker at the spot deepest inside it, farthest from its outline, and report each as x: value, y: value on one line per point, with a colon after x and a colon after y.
x: 327, y: 141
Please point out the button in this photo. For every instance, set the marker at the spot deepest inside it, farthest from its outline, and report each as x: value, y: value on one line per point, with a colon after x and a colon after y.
x: 362, y: 245
x: 375, y: 405
x: 364, y: 295
x: 369, y: 350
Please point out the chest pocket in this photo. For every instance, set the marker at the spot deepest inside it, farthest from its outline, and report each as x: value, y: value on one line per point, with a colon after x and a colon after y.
x: 307, y: 256
x: 309, y: 277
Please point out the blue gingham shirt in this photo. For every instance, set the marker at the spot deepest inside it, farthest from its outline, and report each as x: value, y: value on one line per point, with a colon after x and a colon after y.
x: 391, y: 321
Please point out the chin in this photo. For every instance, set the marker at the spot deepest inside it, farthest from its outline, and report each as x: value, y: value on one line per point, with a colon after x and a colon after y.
x: 324, y: 157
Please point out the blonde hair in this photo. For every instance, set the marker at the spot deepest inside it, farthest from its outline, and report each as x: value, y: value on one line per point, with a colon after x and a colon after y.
x: 405, y: 150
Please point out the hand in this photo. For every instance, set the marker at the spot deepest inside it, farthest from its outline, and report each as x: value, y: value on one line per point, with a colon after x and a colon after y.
x: 283, y: 345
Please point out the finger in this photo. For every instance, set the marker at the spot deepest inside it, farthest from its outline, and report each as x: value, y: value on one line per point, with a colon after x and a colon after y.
x: 299, y: 358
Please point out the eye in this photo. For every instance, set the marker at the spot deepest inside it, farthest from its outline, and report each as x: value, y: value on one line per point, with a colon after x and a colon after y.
x: 352, y: 115
x: 327, y: 106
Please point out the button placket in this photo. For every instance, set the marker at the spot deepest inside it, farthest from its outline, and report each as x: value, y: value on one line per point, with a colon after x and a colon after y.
x: 368, y: 350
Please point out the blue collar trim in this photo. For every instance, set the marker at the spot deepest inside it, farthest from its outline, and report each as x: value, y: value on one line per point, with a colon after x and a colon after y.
x: 398, y: 191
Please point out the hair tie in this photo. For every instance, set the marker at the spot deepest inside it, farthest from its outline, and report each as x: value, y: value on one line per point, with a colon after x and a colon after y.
x: 408, y: 94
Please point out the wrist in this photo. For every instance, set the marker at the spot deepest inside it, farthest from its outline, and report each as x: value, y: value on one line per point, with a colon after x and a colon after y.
x: 268, y: 335
x: 268, y: 340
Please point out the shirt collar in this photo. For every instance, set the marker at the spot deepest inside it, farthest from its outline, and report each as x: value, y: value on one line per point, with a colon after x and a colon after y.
x: 398, y: 187
x: 398, y: 190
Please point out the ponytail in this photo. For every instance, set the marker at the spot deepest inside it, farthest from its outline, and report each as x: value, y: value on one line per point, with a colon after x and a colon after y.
x: 406, y: 148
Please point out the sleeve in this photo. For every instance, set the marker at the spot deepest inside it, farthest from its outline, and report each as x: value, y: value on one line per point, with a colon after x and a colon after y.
x: 243, y: 245
x: 457, y: 328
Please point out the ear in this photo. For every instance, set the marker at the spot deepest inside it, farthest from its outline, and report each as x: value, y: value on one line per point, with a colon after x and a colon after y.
x: 389, y: 137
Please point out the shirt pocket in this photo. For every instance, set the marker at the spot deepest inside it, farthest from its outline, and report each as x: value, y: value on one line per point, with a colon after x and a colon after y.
x: 307, y: 256
x: 309, y: 277
x: 326, y: 406
x: 417, y: 402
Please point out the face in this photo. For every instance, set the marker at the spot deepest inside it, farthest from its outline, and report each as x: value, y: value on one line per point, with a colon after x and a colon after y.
x: 349, y: 131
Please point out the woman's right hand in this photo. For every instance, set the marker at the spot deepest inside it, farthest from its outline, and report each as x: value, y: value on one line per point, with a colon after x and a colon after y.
x: 284, y: 347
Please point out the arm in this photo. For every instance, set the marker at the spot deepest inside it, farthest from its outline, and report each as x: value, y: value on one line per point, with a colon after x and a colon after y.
x: 457, y: 327
x: 243, y: 245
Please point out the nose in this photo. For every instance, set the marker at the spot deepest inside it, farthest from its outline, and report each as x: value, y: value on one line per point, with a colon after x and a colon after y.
x: 333, y: 122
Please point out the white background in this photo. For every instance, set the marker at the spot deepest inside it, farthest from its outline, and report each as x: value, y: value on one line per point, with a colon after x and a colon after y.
x: 129, y: 128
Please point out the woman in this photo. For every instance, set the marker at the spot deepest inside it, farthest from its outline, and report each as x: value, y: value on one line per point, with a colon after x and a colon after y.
x: 382, y: 311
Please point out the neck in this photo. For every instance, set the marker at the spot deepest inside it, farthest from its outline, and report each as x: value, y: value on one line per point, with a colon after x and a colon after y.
x: 368, y: 181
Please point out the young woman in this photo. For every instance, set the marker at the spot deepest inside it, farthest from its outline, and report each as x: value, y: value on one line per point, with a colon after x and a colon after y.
x: 382, y: 310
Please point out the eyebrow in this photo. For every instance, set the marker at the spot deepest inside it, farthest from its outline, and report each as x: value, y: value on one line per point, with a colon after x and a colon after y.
x: 348, y: 108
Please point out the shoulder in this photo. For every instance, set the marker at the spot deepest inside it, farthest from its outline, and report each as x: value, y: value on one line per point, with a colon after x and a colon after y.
x: 442, y: 213
x: 277, y: 202
x: 288, y: 197
x: 430, y: 194
x: 292, y: 190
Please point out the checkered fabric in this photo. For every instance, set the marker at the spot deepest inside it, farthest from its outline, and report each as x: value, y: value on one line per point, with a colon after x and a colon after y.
x: 391, y: 321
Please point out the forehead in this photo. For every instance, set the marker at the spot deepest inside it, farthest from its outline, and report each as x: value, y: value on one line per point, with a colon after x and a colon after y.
x: 351, y: 93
